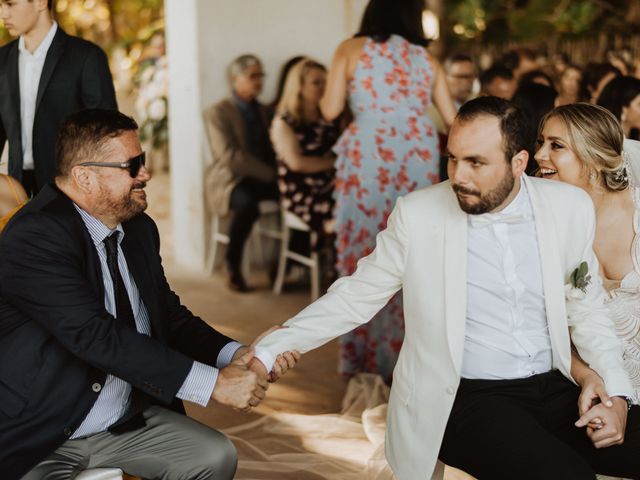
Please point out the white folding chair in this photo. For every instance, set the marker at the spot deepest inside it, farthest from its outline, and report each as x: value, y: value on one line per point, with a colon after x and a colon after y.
x: 261, y: 229
x: 216, y: 236
x: 100, y: 474
x: 267, y: 226
x: 291, y: 221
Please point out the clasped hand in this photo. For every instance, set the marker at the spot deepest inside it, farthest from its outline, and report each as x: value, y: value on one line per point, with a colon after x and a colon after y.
x: 604, y: 417
x: 244, y: 382
x: 238, y: 386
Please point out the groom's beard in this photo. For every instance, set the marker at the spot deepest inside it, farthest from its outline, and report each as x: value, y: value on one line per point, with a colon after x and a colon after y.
x: 487, y: 201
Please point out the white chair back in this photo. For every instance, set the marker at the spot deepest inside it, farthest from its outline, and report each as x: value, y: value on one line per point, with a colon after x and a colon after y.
x: 291, y: 221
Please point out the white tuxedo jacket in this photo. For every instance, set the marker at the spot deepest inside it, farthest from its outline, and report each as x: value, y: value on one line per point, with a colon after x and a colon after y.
x: 424, y: 252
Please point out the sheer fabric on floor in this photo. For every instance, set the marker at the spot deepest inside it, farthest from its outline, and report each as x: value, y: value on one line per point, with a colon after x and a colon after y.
x: 344, y: 446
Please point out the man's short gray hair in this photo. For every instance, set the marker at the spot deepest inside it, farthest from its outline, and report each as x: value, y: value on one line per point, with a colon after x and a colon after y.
x: 240, y: 64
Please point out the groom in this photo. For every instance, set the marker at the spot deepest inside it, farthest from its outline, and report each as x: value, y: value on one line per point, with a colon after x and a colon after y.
x: 483, y: 379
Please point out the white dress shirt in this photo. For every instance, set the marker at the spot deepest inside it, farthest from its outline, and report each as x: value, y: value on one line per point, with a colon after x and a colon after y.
x: 506, y: 333
x: 30, y: 67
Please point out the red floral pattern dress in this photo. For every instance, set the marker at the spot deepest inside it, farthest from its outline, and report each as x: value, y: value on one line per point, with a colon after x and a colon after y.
x: 389, y: 150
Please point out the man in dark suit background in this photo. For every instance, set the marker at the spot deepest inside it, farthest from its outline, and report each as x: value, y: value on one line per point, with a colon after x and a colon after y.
x: 45, y: 75
x: 96, y: 350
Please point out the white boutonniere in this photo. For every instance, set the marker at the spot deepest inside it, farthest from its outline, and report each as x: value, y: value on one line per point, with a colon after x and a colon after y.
x: 580, y: 279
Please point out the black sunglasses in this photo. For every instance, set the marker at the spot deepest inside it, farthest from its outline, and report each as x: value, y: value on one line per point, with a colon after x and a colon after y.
x: 133, y: 164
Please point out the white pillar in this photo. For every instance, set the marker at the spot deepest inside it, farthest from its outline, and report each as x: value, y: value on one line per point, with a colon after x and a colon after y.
x: 185, y: 133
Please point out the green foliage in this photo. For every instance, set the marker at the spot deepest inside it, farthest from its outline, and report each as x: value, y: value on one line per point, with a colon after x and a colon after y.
x: 107, y: 22
x: 503, y: 21
x: 578, y: 18
x: 580, y: 278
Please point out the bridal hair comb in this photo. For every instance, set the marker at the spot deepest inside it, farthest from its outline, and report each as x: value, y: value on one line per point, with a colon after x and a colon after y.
x: 622, y: 174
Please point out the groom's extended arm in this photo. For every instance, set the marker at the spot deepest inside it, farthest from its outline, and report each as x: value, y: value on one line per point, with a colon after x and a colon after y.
x: 592, y: 331
x: 351, y: 301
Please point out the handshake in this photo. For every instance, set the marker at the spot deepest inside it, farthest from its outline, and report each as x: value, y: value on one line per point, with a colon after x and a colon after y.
x: 244, y: 382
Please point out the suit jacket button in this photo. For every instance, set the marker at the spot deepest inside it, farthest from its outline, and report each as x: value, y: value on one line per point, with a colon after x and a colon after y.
x: 451, y: 390
x: 67, y: 431
x: 96, y: 387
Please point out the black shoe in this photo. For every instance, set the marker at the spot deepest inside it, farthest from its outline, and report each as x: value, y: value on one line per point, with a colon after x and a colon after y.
x: 235, y: 281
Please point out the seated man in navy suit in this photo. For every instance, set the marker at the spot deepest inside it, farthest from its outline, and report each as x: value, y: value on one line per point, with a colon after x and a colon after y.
x: 96, y: 350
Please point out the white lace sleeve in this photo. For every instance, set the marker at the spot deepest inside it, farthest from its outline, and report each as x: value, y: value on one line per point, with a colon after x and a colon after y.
x: 631, y: 155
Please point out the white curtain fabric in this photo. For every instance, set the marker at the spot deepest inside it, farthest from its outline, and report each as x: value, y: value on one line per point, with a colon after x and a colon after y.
x: 631, y: 154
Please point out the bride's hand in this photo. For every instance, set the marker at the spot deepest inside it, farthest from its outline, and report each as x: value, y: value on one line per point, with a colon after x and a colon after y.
x: 593, y: 392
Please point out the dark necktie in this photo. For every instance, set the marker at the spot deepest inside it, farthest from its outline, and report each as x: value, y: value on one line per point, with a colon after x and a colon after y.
x: 124, y: 312
x: 133, y: 418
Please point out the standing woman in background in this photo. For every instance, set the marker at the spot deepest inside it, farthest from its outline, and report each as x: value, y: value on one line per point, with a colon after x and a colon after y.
x: 390, y: 149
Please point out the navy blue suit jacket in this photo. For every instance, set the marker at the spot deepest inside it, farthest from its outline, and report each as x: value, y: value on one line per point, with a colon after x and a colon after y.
x: 57, y: 339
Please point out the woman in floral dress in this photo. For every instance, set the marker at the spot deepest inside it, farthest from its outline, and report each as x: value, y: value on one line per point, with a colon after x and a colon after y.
x: 389, y: 150
x: 302, y: 140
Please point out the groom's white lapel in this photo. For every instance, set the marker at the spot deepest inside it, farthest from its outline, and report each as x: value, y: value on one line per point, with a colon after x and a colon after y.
x: 455, y: 278
x: 552, y: 273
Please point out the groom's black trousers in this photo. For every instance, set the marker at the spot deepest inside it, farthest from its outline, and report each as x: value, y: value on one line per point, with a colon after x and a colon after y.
x: 524, y: 429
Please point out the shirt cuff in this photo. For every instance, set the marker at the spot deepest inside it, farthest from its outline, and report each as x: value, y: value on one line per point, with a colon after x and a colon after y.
x: 199, y: 384
x: 229, y: 350
x: 226, y: 354
x: 265, y: 357
x: 631, y: 397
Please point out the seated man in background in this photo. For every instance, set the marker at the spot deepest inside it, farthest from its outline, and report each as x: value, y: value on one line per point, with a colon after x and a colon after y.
x: 498, y: 81
x: 520, y: 61
x: 244, y: 167
x: 461, y: 73
x: 96, y: 350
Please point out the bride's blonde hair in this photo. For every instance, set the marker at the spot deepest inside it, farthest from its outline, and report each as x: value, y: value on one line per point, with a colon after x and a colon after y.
x: 596, y: 137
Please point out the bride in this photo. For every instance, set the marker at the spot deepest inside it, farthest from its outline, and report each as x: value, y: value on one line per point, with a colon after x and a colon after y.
x: 582, y: 144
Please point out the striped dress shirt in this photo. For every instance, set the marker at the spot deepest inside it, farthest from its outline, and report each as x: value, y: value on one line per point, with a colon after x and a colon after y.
x: 114, y: 395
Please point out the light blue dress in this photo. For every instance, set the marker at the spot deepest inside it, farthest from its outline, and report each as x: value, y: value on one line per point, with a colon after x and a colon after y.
x: 389, y: 150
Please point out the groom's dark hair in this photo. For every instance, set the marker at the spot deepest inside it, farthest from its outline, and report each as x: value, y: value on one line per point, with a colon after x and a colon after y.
x: 514, y: 124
